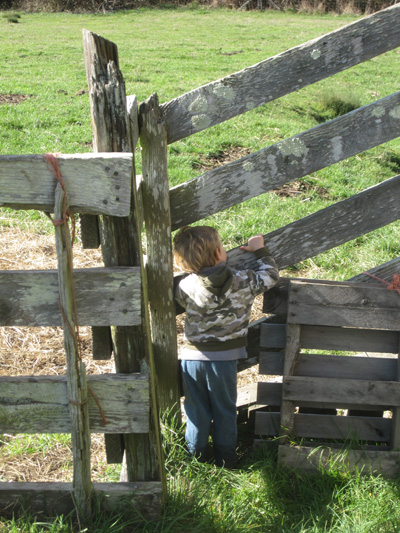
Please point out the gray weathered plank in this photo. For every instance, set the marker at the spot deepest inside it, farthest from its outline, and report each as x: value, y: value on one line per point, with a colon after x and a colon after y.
x: 271, y: 363
x: 270, y: 79
x: 39, y: 404
x: 275, y: 300
x: 346, y: 367
x: 104, y: 296
x: 341, y: 391
x: 273, y: 336
x: 349, y: 339
x: 321, y: 365
x: 270, y: 394
x: 159, y: 264
x: 310, y: 460
x: 95, y: 183
x: 376, y: 429
x: 288, y: 160
x: 292, y: 347
x: 47, y: 499
x: 369, y: 210
x: 77, y: 390
x: 344, y: 304
x: 114, y: 131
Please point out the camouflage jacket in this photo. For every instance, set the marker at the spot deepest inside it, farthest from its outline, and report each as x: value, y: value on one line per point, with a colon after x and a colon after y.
x: 218, y: 302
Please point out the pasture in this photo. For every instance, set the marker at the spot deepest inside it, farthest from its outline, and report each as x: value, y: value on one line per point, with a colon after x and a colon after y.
x: 44, y: 108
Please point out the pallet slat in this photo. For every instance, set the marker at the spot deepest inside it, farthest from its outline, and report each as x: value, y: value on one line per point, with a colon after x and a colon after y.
x: 376, y: 429
x: 344, y: 304
x: 309, y: 460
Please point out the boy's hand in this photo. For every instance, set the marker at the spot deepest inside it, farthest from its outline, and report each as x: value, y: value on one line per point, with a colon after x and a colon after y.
x: 254, y: 243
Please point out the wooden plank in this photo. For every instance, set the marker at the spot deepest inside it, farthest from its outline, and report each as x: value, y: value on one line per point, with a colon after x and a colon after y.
x: 271, y: 363
x: 290, y: 360
x: 159, y: 264
x: 395, y: 440
x: 346, y: 367
x: 341, y: 391
x: 349, y: 339
x: 373, y: 208
x: 273, y: 336
x: 267, y: 424
x: 275, y: 300
x: 269, y: 393
x: 47, y: 499
x: 113, y: 131
x: 95, y: 183
x: 39, y: 404
x: 374, y: 429
x: 104, y: 296
x: 344, y: 304
x: 246, y: 395
x: 288, y: 160
x: 289, y: 71
x: 77, y: 390
x: 313, y: 365
x: 309, y: 460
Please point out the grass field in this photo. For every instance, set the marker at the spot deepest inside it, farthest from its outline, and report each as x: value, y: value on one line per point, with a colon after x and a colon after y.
x: 44, y: 108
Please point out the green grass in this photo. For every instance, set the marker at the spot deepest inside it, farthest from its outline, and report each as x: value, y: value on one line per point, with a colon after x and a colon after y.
x: 258, y: 497
x: 172, y: 51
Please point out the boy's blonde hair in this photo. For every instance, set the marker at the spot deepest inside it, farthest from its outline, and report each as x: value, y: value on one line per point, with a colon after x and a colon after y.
x: 196, y: 247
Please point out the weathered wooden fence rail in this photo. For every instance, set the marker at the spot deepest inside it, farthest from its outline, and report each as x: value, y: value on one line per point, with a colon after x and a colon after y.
x: 298, y: 67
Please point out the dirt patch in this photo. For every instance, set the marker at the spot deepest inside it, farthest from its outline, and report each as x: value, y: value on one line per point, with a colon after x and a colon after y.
x: 13, y: 99
x: 212, y: 160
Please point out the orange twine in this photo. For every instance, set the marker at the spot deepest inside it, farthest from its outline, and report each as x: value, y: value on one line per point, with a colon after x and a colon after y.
x: 394, y: 286
x: 52, y: 165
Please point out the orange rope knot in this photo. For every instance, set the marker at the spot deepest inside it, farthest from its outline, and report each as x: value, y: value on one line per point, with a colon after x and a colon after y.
x: 395, y: 285
x: 52, y: 165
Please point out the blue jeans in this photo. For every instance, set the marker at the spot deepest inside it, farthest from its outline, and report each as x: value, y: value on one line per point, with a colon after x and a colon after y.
x: 210, y: 395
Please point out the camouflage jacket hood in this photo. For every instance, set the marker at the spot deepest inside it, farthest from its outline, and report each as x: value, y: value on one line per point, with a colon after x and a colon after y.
x: 218, y: 302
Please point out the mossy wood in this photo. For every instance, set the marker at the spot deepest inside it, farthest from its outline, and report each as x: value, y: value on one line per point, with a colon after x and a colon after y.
x: 286, y: 161
x: 117, y: 403
x: 104, y: 297
x: 121, y: 243
x: 56, y: 499
x: 77, y: 390
x: 95, y: 183
x: 159, y: 266
x: 298, y: 67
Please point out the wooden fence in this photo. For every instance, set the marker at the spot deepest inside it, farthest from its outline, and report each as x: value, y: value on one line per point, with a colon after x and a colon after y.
x: 292, y: 159
x: 105, y: 185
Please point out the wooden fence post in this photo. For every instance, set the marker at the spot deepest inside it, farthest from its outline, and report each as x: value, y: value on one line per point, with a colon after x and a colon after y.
x: 77, y: 390
x: 157, y: 219
x: 120, y: 240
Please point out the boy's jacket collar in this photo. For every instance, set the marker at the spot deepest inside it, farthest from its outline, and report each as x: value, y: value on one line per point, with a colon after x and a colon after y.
x: 217, y: 280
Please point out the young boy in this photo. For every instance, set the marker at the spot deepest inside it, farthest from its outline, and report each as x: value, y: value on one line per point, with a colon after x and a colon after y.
x: 218, y: 301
